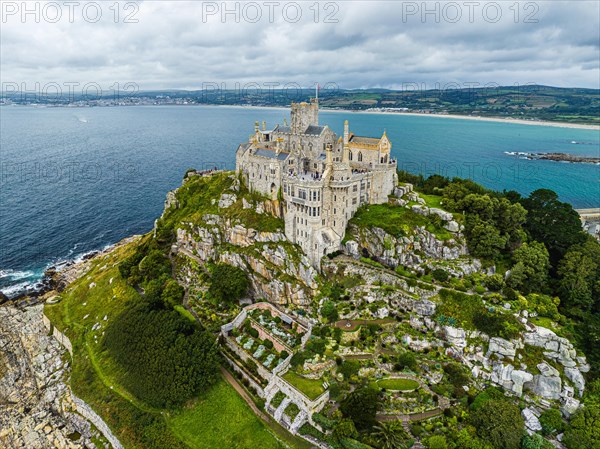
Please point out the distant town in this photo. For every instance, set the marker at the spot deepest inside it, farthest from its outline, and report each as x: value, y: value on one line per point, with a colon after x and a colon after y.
x: 530, y: 102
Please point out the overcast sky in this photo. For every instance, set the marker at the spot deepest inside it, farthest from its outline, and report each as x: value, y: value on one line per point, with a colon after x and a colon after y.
x: 354, y: 44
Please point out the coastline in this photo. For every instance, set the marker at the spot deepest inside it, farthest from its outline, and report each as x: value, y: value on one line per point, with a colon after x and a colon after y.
x: 514, y: 121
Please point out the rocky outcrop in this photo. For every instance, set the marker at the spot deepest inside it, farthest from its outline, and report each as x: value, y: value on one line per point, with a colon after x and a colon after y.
x: 410, y: 251
x: 36, y: 407
x: 562, y: 352
x: 279, y: 272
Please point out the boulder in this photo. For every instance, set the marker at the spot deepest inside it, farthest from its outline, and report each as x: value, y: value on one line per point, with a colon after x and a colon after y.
x: 502, y: 347
x: 455, y: 336
x: 531, y: 420
x: 575, y: 376
x: 226, y: 200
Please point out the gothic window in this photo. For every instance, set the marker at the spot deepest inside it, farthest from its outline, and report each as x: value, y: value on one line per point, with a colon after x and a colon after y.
x: 360, y: 156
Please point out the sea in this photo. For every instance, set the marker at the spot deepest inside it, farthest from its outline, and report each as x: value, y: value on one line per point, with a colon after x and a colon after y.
x: 74, y: 180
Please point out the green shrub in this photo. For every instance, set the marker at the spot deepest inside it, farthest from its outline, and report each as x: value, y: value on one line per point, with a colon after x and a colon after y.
x: 440, y: 275
x: 228, y: 283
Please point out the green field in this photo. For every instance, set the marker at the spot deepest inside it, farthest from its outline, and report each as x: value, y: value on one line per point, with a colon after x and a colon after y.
x: 222, y: 420
x: 398, y: 384
x: 311, y: 388
x: 215, y: 421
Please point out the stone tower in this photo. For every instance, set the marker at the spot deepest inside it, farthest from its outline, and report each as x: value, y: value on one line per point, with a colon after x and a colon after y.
x: 303, y: 115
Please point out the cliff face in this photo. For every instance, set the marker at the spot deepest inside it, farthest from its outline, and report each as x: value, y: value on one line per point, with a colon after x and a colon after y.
x: 235, y: 234
x: 36, y: 409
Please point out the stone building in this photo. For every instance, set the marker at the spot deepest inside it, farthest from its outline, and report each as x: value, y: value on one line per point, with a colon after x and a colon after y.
x: 321, y: 178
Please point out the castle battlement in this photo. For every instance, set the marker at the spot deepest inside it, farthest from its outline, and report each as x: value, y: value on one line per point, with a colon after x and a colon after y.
x: 323, y: 178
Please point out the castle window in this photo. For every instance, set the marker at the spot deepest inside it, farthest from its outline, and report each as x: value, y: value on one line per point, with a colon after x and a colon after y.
x: 360, y: 156
x: 323, y: 222
x: 334, y: 211
x: 354, y: 188
x: 350, y: 155
x: 334, y: 198
x: 353, y: 200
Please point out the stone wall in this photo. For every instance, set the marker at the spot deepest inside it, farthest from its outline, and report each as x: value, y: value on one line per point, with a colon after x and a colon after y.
x: 84, y: 409
x: 58, y: 335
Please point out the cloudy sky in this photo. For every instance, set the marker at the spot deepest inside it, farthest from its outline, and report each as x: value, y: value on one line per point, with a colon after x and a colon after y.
x: 354, y: 44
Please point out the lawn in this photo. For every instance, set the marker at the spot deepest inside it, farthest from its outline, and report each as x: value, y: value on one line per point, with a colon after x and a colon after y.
x: 311, y: 388
x: 222, y: 419
x: 398, y: 384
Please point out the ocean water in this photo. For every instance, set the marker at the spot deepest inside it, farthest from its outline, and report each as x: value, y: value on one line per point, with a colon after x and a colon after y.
x: 74, y: 180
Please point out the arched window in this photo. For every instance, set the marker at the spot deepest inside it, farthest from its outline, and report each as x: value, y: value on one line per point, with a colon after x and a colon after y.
x: 360, y: 156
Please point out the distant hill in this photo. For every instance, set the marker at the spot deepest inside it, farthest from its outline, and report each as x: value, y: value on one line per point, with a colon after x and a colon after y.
x: 533, y: 102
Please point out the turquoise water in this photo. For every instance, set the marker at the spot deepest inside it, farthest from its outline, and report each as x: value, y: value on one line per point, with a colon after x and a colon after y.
x: 77, y: 179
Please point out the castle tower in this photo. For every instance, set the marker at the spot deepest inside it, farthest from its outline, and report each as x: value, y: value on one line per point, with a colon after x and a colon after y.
x: 303, y: 115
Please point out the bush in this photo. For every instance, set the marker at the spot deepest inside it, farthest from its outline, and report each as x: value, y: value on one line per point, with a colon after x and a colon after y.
x: 551, y: 421
x: 268, y: 344
x: 494, y: 282
x: 253, y: 332
x: 407, y: 360
x: 440, y: 275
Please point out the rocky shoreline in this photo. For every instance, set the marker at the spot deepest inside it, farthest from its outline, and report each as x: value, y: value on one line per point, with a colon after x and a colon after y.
x: 556, y: 157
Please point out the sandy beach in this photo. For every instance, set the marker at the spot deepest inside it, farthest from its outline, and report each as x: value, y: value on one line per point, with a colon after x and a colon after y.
x: 452, y: 116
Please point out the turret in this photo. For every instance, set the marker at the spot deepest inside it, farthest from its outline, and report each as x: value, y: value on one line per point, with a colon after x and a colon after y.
x: 345, y: 149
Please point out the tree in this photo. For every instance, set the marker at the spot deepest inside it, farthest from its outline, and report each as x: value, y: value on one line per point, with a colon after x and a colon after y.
x: 483, y: 238
x: 329, y: 311
x: 172, y: 293
x: 390, y: 435
x: 530, y: 272
x: 164, y: 358
x: 228, y: 283
x: 579, y: 278
x: 551, y: 421
x: 407, y: 360
x: 552, y: 222
x: 439, y: 274
x: 361, y: 407
x: 499, y: 422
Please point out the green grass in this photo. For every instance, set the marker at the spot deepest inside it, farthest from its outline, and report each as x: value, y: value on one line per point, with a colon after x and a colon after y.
x: 398, y: 384
x: 221, y: 419
x: 185, y: 313
x: 396, y: 220
x: 95, y: 376
x: 434, y: 201
x: 310, y: 387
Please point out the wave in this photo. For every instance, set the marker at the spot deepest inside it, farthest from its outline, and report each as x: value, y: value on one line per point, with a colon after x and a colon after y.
x: 16, y: 275
x: 30, y: 281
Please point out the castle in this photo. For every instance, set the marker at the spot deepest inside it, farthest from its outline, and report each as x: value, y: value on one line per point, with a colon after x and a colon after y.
x: 321, y: 178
